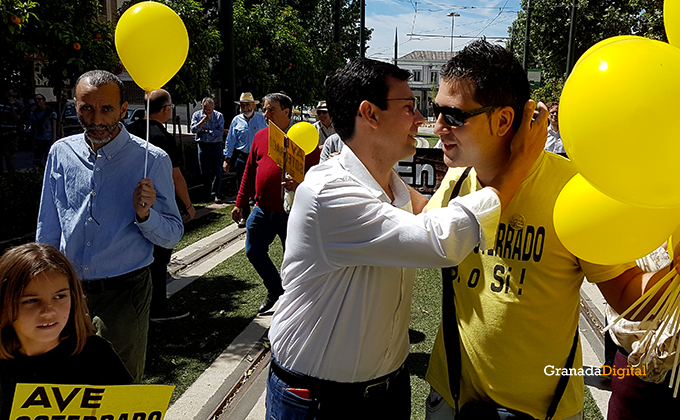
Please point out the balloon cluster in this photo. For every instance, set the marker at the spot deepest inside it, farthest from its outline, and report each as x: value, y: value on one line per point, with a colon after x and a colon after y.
x: 616, y: 122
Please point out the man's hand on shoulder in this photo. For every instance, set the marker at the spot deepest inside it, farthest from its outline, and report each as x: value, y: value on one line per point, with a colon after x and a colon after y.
x: 530, y: 139
x: 527, y: 144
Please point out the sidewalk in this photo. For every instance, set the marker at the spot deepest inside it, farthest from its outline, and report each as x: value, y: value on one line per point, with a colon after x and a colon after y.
x: 201, y: 400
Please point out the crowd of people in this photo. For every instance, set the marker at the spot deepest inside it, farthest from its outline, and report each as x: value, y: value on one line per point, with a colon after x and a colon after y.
x: 84, y: 293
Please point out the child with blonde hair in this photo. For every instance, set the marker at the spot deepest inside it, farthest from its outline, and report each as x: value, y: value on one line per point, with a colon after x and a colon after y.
x: 46, y: 335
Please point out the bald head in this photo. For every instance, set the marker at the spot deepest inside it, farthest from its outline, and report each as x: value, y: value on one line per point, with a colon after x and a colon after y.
x: 159, y: 105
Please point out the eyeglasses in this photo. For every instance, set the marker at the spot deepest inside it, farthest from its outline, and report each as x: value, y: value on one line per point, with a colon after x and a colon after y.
x: 172, y: 106
x: 455, y: 117
x: 412, y: 99
x: 39, y: 99
x: 92, y: 193
x: 318, y: 111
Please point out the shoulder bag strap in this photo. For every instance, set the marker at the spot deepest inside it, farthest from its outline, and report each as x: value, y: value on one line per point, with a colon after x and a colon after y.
x: 449, y: 322
x: 564, y: 379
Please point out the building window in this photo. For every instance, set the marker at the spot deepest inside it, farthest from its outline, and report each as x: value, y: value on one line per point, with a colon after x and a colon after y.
x: 433, y: 77
x: 416, y: 75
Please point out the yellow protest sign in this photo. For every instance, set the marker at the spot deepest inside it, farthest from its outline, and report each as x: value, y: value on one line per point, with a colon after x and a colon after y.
x: 90, y: 402
x: 294, y: 155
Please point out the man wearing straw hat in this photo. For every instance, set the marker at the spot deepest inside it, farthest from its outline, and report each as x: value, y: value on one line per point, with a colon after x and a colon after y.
x: 97, y: 208
x: 239, y: 140
x: 325, y: 124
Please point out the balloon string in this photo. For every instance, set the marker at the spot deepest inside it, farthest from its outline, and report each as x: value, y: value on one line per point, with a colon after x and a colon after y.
x: 643, y: 300
x: 146, y: 155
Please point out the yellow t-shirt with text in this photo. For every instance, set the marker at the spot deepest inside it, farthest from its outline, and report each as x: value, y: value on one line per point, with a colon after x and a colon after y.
x: 518, y: 303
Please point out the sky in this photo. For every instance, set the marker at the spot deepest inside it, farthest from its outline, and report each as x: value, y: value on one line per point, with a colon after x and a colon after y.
x: 490, y: 18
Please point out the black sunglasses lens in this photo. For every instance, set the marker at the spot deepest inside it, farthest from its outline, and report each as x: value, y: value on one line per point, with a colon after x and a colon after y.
x: 449, y: 115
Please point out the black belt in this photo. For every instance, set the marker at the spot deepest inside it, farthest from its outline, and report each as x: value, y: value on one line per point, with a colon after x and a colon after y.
x: 321, y: 387
x: 111, y: 283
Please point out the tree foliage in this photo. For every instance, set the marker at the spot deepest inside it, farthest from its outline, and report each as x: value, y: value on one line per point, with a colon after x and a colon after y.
x: 280, y: 45
x: 595, y: 20
x: 192, y: 82
x: 67, y: 36
x: 549, y: 91
x: 14, y: 15
x: 287, y: 45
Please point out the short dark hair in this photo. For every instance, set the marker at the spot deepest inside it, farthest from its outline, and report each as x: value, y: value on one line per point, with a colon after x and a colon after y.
x: 495, y: 74
x: 159, y: 99
x: 284, y: 100
x: 102, y: 77
x: 360, y: 80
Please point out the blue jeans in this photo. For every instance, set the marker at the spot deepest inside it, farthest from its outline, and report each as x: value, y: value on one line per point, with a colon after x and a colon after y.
x: 393, y: 404
x: 238, y: 163
x: 210, y: 161
x: 262, y: 227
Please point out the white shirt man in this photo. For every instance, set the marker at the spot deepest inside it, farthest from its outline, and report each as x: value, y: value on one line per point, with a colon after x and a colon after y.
x: 340, y: 335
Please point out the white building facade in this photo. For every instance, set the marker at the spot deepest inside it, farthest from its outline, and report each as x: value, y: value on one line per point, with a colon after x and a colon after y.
x: 425, y: 67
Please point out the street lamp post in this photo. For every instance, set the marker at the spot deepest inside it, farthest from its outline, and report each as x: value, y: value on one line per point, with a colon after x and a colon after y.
x: 452, y: 15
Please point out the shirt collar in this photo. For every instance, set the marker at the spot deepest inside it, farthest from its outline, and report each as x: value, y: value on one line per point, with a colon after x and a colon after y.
x: 110, y: 149
x: 350, y: 162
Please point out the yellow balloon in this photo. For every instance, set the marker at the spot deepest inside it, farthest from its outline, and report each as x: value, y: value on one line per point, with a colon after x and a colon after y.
x: 152, y: 43
x: 673, y: 242
x: 671, y: 21
x: 617, y: 121
x: 602, y: 44
x: 305, y: 135
x: 599, y: 229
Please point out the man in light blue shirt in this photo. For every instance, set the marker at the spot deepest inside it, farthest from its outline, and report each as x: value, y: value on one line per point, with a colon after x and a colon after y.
x: 105, y: 216
x: 240, y: 139
x: 208, y: 125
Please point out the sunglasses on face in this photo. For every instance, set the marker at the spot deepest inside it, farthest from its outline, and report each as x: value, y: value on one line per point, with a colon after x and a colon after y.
x: 455, y: 117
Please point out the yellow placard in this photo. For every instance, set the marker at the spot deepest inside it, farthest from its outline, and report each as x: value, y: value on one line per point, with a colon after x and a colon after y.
x: 90, y: 402
x: 276, y: 142
x: 295, y: 162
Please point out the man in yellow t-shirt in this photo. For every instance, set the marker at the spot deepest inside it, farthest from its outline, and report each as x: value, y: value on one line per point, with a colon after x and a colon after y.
x: 517, y: 304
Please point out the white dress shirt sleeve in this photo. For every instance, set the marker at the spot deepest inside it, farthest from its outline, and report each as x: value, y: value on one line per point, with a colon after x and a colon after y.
x: 356, y: 228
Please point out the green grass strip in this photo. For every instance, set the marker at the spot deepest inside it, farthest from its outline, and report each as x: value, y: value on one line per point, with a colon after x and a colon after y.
x: 222, y: 303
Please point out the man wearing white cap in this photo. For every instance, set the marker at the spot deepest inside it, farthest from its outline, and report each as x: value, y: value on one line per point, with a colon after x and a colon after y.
x: 324, y: 125
x: 240, y: 138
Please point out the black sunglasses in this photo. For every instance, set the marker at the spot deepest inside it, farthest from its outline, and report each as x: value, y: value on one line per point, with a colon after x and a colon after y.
x: 455, y: 117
